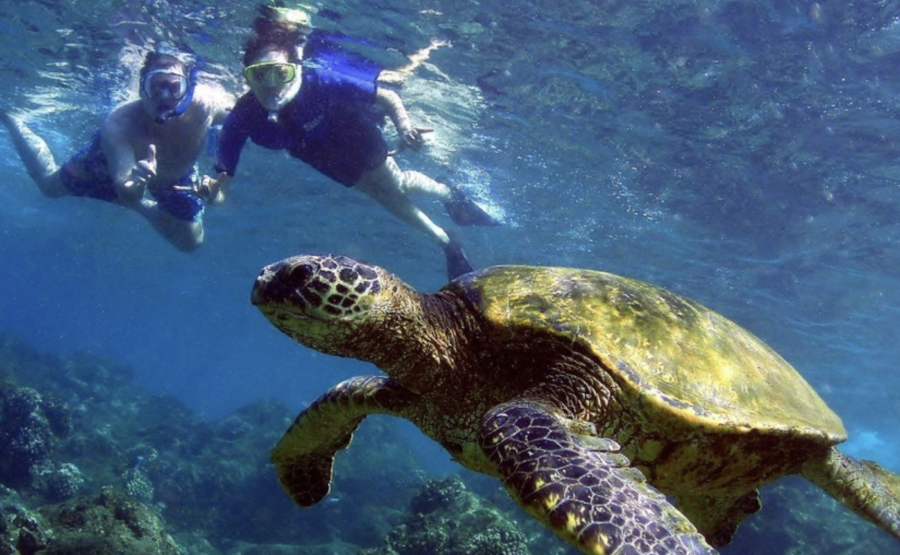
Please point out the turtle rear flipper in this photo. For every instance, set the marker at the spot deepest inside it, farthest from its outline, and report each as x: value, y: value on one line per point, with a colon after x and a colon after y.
x: 718, y: 517
x: 589, y: 497
x: 869, y: 490
x: 304, y: 457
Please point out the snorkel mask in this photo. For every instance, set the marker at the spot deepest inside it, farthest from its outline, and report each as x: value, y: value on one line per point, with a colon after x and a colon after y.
x: 272, y: 74
x: 168, y: 83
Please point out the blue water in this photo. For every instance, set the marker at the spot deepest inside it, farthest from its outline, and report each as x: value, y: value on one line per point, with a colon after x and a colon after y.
x: 744, y: 154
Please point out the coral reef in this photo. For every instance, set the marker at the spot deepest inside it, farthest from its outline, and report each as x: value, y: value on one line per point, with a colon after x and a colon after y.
x: 57, y: 482
x: 31, y: 424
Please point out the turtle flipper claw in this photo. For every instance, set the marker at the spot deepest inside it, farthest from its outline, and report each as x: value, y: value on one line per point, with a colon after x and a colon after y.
x: 583, y: 494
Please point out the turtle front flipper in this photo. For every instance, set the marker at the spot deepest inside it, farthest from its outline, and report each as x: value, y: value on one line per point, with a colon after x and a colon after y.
x: 587, y: 495
x: 869, y: 490
x: 304, y: 457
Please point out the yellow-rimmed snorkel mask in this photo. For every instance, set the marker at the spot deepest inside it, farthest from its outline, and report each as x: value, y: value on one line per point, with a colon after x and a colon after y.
x: 270, y: 74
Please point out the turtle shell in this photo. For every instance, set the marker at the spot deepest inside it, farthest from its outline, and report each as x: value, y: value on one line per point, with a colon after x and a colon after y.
x: 663, y: 349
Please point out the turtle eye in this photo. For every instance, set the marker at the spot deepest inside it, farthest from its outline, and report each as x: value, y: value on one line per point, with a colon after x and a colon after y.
x: 302, y: 273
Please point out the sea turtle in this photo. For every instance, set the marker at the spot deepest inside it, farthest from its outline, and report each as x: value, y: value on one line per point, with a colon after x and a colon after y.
x: 592, y: 397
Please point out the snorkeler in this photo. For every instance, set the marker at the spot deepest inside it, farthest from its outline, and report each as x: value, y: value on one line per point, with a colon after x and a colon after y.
x: 144, y: 155
x: 327, y: 112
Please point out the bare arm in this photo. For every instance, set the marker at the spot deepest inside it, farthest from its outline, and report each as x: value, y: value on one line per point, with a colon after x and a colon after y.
x: 130, y: 175
x: 215, y: 189
x: 391, y: 103
x: 218, y: 103
x: 398, y: 75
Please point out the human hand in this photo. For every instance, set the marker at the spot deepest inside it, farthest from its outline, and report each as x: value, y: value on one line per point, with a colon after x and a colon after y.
x: 413, y: 136
x: 142, y: 173
x: 212, y: 190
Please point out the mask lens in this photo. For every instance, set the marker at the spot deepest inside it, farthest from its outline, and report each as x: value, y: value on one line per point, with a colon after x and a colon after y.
x: 164, y: 85
x: 270, y: 73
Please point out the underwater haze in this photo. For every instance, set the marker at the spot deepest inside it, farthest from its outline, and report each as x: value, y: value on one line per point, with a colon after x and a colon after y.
x: 745, y: 154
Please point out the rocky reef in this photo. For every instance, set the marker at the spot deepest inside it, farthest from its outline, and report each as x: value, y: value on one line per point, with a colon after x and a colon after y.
x: 93, y: 465
x: 109, y: 523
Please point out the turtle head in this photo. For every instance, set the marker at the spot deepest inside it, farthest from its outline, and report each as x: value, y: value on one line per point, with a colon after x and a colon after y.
x: 333, y: 304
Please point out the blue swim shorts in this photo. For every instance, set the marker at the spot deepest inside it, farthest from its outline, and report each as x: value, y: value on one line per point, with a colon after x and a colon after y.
x: 184, y: 205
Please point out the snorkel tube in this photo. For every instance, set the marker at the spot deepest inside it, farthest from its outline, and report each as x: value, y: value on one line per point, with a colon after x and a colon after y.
x: 188, y: 96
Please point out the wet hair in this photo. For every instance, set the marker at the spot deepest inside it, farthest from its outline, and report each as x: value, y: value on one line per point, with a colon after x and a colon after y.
x: 154, y: 61
x: 273, y: 34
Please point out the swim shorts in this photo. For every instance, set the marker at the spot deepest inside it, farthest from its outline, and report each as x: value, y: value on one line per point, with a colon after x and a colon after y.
x: 184, y: 205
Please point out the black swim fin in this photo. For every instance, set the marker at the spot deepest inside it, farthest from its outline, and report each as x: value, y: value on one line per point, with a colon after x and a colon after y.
x: 457, y: 261
x: 465, y: 211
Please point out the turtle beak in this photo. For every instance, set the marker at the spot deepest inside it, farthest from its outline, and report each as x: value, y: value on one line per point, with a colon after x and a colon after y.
x: 280, y: 283
x: 256, y: 296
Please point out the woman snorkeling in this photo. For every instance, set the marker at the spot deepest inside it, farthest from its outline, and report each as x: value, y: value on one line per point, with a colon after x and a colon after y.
x: 326, y: 110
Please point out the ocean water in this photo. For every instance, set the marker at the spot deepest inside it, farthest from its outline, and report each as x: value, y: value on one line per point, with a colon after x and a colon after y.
x: 744, y: 154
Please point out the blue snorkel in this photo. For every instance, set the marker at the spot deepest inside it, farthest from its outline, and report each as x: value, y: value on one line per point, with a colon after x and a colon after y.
x: 188, y: 96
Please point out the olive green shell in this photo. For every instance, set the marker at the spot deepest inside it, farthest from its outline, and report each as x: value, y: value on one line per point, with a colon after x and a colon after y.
x: 662, y: 348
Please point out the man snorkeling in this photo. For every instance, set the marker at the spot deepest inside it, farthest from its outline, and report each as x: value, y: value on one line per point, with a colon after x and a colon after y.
x: 325, y: 108
x: 144, y: 155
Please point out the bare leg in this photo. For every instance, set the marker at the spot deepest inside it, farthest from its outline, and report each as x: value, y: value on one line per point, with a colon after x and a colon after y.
x: 462, y: 209
x: 184, y: 235
x: 36, y: 156
x: 387, y: 184
x: 420, y: 183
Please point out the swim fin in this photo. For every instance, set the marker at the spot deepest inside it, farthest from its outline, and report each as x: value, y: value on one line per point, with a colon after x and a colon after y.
x: 457, y: 261
x: 465, y: 211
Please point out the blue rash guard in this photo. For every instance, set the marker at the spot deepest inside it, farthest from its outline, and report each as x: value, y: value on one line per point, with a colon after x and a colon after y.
x: 332, y: 125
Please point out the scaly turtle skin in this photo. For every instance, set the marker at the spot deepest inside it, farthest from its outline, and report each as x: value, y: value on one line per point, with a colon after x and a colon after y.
x: 591, y: 396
